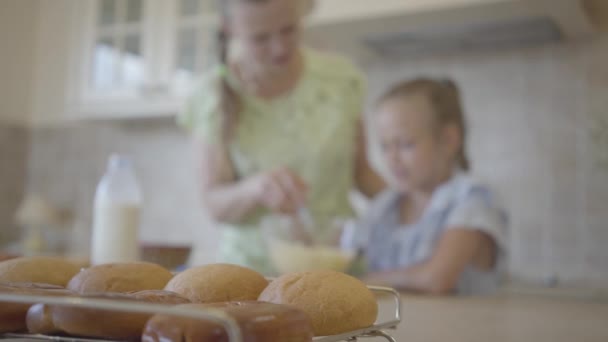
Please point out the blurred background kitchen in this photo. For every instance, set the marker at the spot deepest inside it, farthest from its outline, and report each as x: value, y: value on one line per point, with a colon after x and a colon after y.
x: 82, y: 79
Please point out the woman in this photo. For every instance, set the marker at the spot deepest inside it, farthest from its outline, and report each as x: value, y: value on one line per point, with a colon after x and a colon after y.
x: 277, y: 126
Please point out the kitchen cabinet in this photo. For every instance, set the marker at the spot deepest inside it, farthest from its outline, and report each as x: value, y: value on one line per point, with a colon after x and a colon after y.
x: 142, y: 57
x: 138, y: 57
x: 336, y: 11
x: 117, y: 54
x: 103, y: 59
x: 109, y: 59
x: 15, y: 71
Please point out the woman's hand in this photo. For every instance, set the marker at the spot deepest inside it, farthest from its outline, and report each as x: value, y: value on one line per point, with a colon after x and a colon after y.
x: 228, y: 199
x: 280, y: 190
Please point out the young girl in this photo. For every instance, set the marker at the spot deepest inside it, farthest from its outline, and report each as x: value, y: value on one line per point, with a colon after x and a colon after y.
x: 277, y: 127
x: 436, y: 230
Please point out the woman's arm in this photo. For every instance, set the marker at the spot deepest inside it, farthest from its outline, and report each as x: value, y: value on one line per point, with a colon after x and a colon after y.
x: 227, y: 199
x: 224, y: 199
x: 366, y: 179
x: 456, y: 249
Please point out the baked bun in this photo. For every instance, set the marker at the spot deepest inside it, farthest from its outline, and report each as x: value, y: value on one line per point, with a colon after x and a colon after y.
x: 120, y: 278
x: 44, y: 270
x: 279, y: 323
x: 335, y: 302
x: 13, y: 315
x: 218, y: 283
x: 106, y: 324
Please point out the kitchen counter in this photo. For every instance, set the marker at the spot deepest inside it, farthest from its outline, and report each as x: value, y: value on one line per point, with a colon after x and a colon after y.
x: 502, y: 318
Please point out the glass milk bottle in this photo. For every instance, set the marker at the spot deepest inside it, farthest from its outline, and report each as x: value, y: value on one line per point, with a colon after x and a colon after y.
x: 116, y: 214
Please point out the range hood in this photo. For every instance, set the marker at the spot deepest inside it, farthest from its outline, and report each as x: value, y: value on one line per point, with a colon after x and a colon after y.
x: 366, y: 29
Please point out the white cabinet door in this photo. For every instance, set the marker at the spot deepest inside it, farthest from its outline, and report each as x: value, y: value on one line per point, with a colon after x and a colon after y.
x: 119, y: 74
x: 192, y: 33
x: 115, y: 57
x: 140, y: 58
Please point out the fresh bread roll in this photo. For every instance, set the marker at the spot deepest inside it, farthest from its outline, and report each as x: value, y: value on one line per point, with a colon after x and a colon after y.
x: 13, y: 315
x: 44, y: 270
x: 120, y: 278
x: 218, y: 283
x: 335, y: 302
x: 258, y: 322
x: 110, y: 325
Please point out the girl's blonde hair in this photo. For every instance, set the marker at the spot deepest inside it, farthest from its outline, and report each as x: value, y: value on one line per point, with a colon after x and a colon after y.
x: 444, y: 98
x: 230, y: 103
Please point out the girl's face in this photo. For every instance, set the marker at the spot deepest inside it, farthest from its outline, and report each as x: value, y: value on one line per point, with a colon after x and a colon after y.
x: 267, y: 32
x: 418, y: 155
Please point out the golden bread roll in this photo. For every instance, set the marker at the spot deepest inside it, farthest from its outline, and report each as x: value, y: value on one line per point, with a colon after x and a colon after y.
x: 13, y: 315
x: 43, y: 270
x: 335, y: 302
x: 120, y: 278
x: 218, y: 283
x: 111, y: 325
x: 258, y: 322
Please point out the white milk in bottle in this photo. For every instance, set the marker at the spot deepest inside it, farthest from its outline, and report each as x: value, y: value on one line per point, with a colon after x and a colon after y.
x: 116, y: 214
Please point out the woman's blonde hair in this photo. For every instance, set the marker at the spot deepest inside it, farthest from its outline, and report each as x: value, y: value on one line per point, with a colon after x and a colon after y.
x: 230, y: 103
x: 444, y: 98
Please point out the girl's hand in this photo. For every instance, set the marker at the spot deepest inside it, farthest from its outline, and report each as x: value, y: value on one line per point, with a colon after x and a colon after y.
x: 279, y: 190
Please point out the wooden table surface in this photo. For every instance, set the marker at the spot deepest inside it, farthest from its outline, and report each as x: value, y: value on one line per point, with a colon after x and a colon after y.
x: 505, y: 318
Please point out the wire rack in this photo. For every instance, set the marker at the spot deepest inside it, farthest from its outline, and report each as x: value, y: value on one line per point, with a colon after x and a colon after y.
x: 214, y: 315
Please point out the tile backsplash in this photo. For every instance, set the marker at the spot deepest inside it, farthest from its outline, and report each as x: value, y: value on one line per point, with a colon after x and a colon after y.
x: 66, y: 164
x: 13, y: 164
x: 534, y: 115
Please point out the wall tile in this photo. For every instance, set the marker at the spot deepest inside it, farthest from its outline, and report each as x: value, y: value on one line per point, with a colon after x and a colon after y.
x: 163, y: 161
x: 13, y: 164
